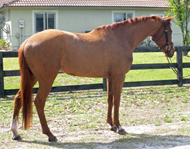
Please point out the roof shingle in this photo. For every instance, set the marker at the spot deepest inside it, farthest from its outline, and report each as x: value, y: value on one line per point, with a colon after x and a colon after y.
x: 95, y: 3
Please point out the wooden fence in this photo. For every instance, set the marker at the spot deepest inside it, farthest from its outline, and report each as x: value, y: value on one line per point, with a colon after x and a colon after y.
x: 179, y: 65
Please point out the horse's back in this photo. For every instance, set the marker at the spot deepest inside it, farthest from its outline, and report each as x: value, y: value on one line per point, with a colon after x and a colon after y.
x: 76, y: 54
x: 87, y: 55
x: 95, y: 54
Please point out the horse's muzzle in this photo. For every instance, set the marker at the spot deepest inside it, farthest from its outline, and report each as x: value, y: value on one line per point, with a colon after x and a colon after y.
x: 169, y: 51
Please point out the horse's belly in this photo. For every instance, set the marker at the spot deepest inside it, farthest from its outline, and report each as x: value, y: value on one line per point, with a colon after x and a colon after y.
x: 87, y: 69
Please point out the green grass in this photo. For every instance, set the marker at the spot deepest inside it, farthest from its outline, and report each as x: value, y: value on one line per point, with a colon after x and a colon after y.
x: 133, y: 75
x: 79, y: 118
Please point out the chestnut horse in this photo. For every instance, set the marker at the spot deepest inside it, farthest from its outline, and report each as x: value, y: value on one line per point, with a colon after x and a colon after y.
x: 105, y: 52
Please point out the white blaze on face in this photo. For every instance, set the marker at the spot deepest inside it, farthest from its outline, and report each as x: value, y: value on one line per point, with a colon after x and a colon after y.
x: 14, y: 127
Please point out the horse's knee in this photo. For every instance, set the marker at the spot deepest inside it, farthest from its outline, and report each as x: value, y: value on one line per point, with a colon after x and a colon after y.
x: 17, y: 104
x: 116, y: 103
x: 38, y: 103
x: 18, y: 95
x: 17, y: 99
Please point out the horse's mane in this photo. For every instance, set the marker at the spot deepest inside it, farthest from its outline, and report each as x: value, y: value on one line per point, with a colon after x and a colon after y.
x: 129, y: 21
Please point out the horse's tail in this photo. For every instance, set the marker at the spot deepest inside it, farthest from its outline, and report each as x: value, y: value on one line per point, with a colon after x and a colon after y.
x: 26, y: 88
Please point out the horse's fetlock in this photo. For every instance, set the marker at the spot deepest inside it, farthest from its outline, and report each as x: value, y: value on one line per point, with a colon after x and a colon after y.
x: 109, y: 121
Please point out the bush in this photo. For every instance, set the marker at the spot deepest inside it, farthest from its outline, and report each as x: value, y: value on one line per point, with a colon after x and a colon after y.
x: 4, y: 45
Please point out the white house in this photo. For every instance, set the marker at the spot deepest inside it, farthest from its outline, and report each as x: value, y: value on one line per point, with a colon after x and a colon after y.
x: 26, y: 17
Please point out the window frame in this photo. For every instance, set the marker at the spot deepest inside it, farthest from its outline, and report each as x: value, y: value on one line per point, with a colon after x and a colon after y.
x: 34, y: 12
x: 126, y: 12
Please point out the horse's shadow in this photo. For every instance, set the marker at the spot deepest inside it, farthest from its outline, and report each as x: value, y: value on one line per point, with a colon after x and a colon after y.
x: 133, y: 141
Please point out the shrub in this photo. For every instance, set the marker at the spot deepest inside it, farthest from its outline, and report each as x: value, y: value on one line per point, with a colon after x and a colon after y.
x: 4, y: 45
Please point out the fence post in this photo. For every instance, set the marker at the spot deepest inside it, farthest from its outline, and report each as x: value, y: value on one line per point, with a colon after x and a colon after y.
x: 1, y: 75
x: 104, y: 84
x: 180, y: 66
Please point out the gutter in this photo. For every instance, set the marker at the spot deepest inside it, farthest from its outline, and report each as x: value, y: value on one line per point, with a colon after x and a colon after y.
x: 4, y: 7
x: 86, y: 7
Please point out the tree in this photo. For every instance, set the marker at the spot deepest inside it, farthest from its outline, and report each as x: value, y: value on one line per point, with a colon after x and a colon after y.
x: 181, y: 9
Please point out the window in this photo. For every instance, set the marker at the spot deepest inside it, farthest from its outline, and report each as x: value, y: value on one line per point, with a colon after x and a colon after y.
x: 121, y: 16
x: 44, y: 21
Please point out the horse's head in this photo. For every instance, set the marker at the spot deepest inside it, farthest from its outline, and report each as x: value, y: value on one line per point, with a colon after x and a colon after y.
x: 163, y: 37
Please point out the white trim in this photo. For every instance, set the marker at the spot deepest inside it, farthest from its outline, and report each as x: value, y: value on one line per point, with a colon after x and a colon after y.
x: 113, y: 12
x: 44, y: 11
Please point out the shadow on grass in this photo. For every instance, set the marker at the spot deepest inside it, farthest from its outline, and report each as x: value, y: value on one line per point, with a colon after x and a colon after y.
x: 132, y: 141
x: 7, y: 99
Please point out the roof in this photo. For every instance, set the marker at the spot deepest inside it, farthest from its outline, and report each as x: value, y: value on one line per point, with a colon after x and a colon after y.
x: 85, y: 3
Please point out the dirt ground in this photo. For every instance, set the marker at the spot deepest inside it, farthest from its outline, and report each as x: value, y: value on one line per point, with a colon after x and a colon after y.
x: 154, y: 118
x: 138, y: 137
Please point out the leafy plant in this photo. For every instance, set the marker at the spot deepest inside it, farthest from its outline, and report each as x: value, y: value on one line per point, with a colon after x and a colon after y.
x: 4, y: 44
x: 181, y: 9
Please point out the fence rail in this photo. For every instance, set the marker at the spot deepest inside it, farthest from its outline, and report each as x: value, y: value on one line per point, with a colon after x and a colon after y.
x: 179, y: 65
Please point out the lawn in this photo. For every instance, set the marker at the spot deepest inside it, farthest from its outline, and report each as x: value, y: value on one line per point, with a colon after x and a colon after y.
x: 154, y: 117
x: 133, y: 75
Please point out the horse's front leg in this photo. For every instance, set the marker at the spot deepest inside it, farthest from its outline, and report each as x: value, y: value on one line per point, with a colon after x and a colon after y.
x: 118, y: 84
x: 110, y: 104
x: 14, y: 124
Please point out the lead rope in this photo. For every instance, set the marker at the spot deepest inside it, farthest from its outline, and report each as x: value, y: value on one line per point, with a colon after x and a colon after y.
x: 175, y: 70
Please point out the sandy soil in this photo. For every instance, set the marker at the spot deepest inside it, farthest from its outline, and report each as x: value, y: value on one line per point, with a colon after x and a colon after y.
x: 139, y: 137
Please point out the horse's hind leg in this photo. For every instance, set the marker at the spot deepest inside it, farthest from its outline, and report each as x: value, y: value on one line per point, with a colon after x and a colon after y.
x: 110, y: 104
x: 39, y: 102
x: 14, y: 124
x: 118, y: 84
x: 17, y: 107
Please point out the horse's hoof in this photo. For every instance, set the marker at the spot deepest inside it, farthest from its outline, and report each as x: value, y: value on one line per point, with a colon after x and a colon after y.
x: 54, y: 139
x: 122, y: 131
x: 113, y: 128
x: 16, y: 137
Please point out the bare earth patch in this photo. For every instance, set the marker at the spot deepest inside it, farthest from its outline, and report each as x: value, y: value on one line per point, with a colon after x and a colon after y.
x: 142, y: 136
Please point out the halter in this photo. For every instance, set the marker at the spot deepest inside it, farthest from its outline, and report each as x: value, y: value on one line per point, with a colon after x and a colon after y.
x: 167, y: 40
x: 168, y: 51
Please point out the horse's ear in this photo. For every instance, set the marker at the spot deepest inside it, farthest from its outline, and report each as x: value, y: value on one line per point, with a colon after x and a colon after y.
x: 170, y: 18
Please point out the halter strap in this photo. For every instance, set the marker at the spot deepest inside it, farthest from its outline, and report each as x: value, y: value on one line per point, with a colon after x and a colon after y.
x: 166, y: 33
x: 167, y: 40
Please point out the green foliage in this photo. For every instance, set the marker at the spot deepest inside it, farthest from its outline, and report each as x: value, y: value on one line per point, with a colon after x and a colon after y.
x: 4, y: 44
x: 181, y: 9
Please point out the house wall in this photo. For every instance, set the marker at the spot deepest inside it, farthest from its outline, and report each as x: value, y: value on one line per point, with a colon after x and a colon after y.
x: 73, y: 20
x: 78, y: 20
x: 18, y: 35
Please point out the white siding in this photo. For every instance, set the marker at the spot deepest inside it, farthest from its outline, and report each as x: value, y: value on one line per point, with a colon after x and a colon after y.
x: 73, y: 20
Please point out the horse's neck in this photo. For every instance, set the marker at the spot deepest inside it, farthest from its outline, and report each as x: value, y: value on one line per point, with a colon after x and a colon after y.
x: 138, y: 32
